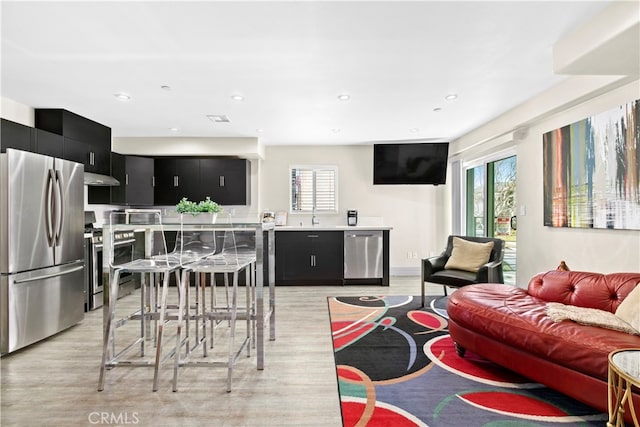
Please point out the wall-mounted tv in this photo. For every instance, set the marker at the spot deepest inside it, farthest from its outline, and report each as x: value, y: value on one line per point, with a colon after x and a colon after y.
x: 410, y: 163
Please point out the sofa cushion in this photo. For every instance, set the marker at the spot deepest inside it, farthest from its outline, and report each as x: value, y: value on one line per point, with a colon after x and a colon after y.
x: 629, y: 309
x: 517, y: 319
x: 468, y: 256
x: 588, y: 316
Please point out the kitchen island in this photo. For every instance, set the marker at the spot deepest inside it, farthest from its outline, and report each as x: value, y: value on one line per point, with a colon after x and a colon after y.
x: 265, y: 262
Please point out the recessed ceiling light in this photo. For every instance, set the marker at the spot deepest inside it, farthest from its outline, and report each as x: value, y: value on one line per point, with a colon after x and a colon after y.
x: 259, y: 130
x: 437, y: 109
x: 344, y: 97
x: 122, y: 96
x: 218, y: 118
x: 237, y: 97
x: 165, y: 87
x: 414, y: 130
x: 174, y: 129
x: 451, y: 97
x: 336, y: 130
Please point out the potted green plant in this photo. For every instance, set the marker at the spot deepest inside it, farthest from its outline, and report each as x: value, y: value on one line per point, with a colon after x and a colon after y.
x: 206, y: 206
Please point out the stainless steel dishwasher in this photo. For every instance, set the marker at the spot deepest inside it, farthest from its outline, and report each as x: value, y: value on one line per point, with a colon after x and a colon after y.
x: 363, y: 254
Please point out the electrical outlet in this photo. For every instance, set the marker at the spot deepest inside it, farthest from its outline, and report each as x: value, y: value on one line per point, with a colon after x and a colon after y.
x: 415, y: 255
x: 409, y: 255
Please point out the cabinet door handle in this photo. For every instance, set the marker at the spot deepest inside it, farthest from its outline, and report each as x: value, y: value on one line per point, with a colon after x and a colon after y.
x: 153, y: 181
x: 176, y: 181
x: 311, y: 261
x: 221, y: 180
x: 92, y: 158
x: 312, y: 236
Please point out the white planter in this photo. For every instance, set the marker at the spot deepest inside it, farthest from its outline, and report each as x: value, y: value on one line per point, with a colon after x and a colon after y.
x: 199, y: 218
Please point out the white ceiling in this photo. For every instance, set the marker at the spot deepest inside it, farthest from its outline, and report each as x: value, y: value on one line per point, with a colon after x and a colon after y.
x: 290, y: 60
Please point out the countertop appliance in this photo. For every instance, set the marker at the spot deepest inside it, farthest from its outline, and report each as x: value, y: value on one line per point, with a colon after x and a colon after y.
x: 352, y: 217
x: 41, y: 247
x: 363, y: 252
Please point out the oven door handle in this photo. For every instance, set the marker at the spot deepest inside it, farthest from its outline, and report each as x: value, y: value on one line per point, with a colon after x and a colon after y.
x: 119, y: 243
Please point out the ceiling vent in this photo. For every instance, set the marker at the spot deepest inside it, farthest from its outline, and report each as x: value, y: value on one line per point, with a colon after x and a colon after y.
x: 218, y: 118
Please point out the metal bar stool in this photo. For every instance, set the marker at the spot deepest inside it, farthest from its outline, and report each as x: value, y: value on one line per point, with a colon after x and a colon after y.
x: 160, y: 266
x: 230, y: 263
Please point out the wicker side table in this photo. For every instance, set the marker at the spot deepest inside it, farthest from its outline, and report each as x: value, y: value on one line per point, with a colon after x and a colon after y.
x: 624, y: 372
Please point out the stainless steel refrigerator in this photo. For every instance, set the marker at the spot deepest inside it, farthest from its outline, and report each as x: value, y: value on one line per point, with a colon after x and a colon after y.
x: 41, y: 247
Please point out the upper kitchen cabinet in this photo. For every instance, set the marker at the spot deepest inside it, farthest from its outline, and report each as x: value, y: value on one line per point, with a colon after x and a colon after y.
x: 85, y: 141
x: 15, y: 135
x: 227, y: 180
x: 48, y: 143
x: 136, y: 180
x: 175, y: 178
x: 224, y: 180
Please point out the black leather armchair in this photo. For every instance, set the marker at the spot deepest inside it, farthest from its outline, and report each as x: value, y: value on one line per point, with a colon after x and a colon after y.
x: 433, y: 270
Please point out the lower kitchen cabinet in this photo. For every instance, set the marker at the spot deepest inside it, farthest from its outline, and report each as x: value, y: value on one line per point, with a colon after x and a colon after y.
x: 309, y: 258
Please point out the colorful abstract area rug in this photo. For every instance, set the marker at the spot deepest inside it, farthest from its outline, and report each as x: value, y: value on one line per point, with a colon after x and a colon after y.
x: 397, y: 367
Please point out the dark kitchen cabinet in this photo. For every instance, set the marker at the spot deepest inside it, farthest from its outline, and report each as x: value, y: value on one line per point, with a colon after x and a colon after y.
x: 48, y: 143
x: 175, y: 178
x: 309, y: 257
x: 225, y: 181
x: 85, y: 141
x: 15, y: 135
x: 136, y: 180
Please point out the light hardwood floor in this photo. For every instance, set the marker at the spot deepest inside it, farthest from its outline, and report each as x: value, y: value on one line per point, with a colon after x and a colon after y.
x: 54, y: 382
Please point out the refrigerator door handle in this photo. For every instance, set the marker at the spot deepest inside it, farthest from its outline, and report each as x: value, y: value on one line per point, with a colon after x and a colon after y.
x: 48, y: 208
x: 48, y: 276
x: 61, y: 200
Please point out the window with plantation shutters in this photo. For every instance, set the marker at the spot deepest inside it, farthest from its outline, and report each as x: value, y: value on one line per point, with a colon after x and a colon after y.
x: 314, y: 187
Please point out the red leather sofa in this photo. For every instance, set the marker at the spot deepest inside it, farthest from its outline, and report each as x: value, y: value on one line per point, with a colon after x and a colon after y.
x: 509, y: 326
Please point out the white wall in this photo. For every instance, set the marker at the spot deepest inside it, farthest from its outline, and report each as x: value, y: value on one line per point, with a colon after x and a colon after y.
x: 414, y: 211
x: 541, y: 248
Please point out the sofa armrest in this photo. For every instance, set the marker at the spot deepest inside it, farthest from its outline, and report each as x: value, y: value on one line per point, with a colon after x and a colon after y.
x: 490, y: 272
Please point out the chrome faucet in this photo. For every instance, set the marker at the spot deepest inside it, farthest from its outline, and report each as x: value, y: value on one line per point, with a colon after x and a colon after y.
x: 314, y: 219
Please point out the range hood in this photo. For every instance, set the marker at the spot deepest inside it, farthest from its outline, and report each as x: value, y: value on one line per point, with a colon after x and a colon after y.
x: 100, y: 180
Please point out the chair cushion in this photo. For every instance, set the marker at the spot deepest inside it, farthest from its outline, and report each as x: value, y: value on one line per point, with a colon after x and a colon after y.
x: 453, y: 278
x: 468, y: 256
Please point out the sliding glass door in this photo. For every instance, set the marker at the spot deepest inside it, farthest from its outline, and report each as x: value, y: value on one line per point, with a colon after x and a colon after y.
x: 491, y: 206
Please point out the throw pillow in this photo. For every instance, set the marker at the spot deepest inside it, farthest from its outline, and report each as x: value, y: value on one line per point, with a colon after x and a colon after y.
x: 588, y: 316
x: 629, y: 308
x: 468, y: 256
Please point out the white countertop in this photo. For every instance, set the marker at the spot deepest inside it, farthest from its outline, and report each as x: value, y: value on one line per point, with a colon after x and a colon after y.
x: 321, y: 227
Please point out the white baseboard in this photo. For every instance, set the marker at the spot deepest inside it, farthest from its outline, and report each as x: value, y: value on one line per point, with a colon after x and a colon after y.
x: 404, y: 271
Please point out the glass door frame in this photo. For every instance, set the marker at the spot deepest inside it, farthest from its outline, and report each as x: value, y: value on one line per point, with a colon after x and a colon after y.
x: 489, y: 216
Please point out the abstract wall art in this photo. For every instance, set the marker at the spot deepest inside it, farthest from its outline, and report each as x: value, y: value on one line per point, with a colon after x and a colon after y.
x: 592, y: 171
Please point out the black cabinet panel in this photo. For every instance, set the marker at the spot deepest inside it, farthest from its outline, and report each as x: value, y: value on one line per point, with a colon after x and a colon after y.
x: 164, y: 171
x: 85, y: 141
x: 48, y: 143
x: 136, y: 180
x: 309, y: 257
x: 15, y: 135
x: 225, y: 181
x: 188, y: 179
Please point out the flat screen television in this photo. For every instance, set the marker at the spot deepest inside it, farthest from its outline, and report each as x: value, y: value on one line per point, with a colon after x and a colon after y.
x: 410, y: 163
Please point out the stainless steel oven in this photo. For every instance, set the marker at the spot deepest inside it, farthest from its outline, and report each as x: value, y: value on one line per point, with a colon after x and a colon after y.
x: 123, y: 247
